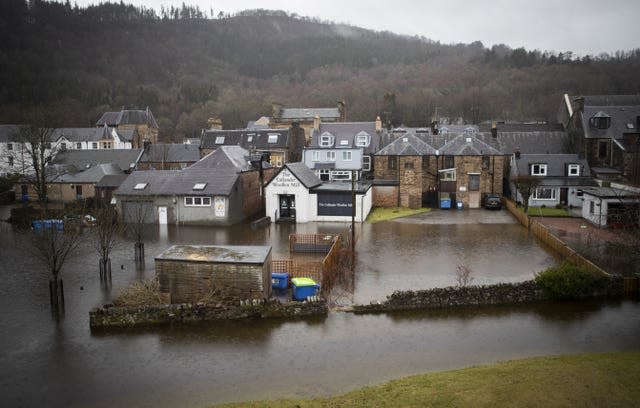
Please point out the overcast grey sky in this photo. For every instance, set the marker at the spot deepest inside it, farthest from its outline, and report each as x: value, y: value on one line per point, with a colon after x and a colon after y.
x: 583, y: 27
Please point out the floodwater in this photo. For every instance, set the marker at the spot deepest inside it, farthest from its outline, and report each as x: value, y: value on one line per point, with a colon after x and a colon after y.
x: 60, y: 362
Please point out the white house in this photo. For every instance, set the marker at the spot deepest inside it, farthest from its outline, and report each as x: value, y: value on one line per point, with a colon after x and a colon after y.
x: 296, y: 194
x: 611, y: 207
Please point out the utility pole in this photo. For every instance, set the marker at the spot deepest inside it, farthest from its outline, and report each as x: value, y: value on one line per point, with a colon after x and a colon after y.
x: 353, y: 213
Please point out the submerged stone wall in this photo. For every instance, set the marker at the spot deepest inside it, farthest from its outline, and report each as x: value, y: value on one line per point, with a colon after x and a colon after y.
x: 187, y: 313
x: 502, y: 293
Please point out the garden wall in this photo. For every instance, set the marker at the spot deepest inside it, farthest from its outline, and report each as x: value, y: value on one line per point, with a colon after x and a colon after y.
x: 499, y: 294
x: 187, y: 313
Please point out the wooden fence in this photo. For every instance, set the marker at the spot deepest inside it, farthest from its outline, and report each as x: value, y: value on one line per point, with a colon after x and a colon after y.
x: 542, y: 232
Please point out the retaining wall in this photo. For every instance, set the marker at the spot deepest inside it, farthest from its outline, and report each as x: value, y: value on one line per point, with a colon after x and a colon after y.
x: 187, y: 313
x: 499, y: 294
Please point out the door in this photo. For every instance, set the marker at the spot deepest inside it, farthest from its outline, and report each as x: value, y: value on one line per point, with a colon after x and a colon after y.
x: 78, y: 192
x: 474, y: 190
x: 162, y: 215
x: 564, y: 195
x: 287, y: 206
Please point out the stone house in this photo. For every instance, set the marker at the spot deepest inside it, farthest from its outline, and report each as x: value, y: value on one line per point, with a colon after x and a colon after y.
x: 305, y: 118
x: 224, y: 188
x: 605, y: 129
x: 172, y: 156
x: 280, y: 146
x: 141, y: 123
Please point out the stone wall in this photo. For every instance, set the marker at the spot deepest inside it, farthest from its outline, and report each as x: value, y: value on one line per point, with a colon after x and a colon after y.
x: 502, y: 293
x: 385, y: 196
x: 186, y: 313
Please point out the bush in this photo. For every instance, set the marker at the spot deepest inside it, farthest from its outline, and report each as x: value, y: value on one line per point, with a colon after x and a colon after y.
x: 139, y: 293
x: 568, y: 281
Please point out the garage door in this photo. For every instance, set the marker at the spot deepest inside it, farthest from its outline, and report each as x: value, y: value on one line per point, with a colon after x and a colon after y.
x: 138, y: 212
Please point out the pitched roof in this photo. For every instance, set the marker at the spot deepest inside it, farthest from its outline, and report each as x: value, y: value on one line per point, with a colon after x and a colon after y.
x: 310, y: 113
x: 10, y: 133
x: 623, y: 119
x: 306, y: 176
x: 407, y: 145
x: 556, y: 169
x: 92, y: 174
x: 112, y: 180
x: 171, y: 153
x: 467, y: 145
x: 263, y: 139
x: 226, y: 157
x: 81, y: 159
x: 128, y: 117
x: 346, y: 133
x: 610, y: 100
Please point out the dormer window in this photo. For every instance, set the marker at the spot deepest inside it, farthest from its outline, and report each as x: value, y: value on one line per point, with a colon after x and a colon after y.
x: 573, y: 170
x: 600, y: 121
x: 219, y: 139
x: 273, y: 138
x: 362, y: 139
x: 326, y: 139
x: 538, y: 169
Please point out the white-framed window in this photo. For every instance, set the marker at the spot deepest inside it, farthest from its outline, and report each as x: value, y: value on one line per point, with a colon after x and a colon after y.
x: 448, y: 175
x: 331, y: 156
x: 344, y: 143
x: 346, y: 156
x: 219, y: 139
x: 366, y: 163
x: 574, y: 170
x: 140, y: 186
x: 538, y: 169
x: 79, y: 145
x: 250, y: 138
x: 543, y: 193
x: 340, y: 175
x: 315, y: 156
x: 326, y: 139
x: 273, y: 138
x: 9, y: 146
x: 199, y: 186
x: 94, y: 145
x: 362, y: 139
x: 197, y: 201
x: 324, y: 174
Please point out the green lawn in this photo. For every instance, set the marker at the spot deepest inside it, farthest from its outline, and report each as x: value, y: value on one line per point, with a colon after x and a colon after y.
x: 378, y: 214
x: 581, y: 380
x: 546, y: 212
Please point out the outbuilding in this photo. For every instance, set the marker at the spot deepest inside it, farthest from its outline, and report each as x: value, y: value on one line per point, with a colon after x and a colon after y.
x: 611, y: 207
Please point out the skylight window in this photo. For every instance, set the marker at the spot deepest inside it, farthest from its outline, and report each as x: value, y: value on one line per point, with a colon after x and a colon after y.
x: 273, y: 138
x: 140, y: 186
x: 250, y: 138
x: 630, y: 126
x: 219, y: 139
x: 199, y: 186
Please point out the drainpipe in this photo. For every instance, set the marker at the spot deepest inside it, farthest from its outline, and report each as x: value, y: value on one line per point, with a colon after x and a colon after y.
x: 493, y: 173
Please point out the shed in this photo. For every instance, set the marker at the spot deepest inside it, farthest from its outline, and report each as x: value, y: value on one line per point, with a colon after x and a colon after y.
x: 188, y: 273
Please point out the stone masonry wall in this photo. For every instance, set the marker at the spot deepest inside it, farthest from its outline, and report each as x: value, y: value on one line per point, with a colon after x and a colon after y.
x: 187, y: 313
x: 385, y: 196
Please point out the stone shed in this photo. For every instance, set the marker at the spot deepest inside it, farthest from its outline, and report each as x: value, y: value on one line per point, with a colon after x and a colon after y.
x: 190, y: 273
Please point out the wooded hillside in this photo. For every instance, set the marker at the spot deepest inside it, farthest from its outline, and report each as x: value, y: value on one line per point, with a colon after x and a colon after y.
x: 187, y: 67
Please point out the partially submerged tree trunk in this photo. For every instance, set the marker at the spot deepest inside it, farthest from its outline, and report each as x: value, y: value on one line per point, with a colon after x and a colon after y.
x: 106, y: 235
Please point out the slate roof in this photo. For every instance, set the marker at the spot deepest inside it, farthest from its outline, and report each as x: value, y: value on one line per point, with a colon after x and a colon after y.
x: 171, y: 153
x: 624, y: 119
x: 112, y: 180
x: 128, y: 117
x: 610, y: 100
x: 609, y: 192
x: 309, y: 113
x: 556, y: 169
x: 247, y: 138
x: 9, y: 133
x: 306, y: 176
x: 407, y: 145
x: 83, y: 134
x: 551, y: 141
x: 92, y: 174
x: 467, y: 145
x: 346, y: 132
x: 80, y: 159
x: 219, y: 171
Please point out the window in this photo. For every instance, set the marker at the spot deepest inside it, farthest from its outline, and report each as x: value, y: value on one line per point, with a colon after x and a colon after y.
x: 331, y: 156
x: 408, y: 165
x: 197, y: 201
x: 579, y: 193
x: 600, y: 122
x: 366, y: 163
x: 344, y: 143
x: 603, y: 148
x: 591, y: 207
x: 9, y: 146
x: 315, y: 156
x: 140, y: 186
x: 63, y: 146
x: 219, y: 140
x: 340, y: 175
x: 199, y: 186
x: 346, y: 156
x: 326, y: 139
x: 474, y: 182
x: 448, y: 162
x: 538, y: 169
x: 542, y: 193
x: 273, y: 138
x: 94, y: 145
x: 425, y: 162
x: 448, y: 175
x: 10, y: 161
x: 574, y: 170
x: 250, y: 138
x: 78, y: 145
x: 323, y: 174
x: 486, y: 160
x: 392, y: 162
x: 362, y: 139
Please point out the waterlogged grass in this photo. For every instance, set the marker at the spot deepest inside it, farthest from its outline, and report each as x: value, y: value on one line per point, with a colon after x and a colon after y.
x: 383, y: 214
x: 547, y: 212
x: 582, y: 380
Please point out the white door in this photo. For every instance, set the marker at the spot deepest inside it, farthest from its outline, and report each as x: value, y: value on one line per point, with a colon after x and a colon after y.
x: 162, y: 215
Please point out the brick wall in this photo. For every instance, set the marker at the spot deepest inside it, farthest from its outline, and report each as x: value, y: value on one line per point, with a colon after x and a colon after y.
x: 385, y: 196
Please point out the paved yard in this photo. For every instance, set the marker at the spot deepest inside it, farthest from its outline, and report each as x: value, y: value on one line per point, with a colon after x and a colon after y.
x: 466, y: 216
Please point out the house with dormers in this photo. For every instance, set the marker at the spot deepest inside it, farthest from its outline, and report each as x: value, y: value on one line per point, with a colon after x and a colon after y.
x: 93, y: 138
x: 140, y: 122
x: 279, y: 146
x: 605, y: 129
x: 561, y: 178
x: 340, y: 151
x: 223, y: 188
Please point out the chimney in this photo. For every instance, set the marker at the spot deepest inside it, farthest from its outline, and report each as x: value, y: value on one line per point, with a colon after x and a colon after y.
x: 214, y: 123
x: 434, y: 127
x: 342, y: 108
x: 316, y: 122
x: 276, y: 110
x: 378, y: 124
x: 578, y: 104
x: 517, y: 153
x: 494, y: 129
x: 146, y: 143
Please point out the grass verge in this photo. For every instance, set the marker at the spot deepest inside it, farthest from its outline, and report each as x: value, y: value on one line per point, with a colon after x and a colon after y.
x: 547, y: 212
x: 384, y: 214
x: 580, y: 380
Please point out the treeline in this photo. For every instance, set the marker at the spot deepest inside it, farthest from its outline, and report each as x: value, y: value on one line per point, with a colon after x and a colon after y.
x: 187, y: 65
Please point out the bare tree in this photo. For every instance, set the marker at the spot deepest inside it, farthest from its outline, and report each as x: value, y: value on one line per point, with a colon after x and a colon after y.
x: 52, y: 246
x: 463, y: 276
x: 526, y: 185
x: 137, y: 218
x: 106, y: 233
